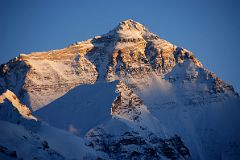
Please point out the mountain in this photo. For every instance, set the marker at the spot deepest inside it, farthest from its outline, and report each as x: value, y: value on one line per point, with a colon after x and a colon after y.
x: 123, y: 95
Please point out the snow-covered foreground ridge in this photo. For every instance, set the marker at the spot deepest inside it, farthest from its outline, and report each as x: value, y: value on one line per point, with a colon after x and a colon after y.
x: 123, y: 95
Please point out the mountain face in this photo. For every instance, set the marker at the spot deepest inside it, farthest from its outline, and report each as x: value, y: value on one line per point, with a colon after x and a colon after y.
x: 123, y: 95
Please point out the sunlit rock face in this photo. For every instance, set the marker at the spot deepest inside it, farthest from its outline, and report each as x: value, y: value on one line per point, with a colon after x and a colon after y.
x: 162, y: 90
x: 42, y: 77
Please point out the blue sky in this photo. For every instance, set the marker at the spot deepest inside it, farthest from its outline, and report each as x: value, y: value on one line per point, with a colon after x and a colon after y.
x: 208, y: 28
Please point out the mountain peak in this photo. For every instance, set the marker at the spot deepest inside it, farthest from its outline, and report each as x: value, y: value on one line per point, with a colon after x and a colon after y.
x: 131, y: 25
x: 129, y: 29
x: 129, y: 21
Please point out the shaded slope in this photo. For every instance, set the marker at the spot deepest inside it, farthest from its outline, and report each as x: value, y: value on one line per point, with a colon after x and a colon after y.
x: 24, y: 143
x: 81, y: 108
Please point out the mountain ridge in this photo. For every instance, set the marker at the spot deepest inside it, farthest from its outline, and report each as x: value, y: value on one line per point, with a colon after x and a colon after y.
x: 162, y: 90
x: 118, y: 57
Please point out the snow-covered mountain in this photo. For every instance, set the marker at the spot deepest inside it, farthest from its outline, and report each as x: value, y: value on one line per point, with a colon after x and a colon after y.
x: 123, y: 95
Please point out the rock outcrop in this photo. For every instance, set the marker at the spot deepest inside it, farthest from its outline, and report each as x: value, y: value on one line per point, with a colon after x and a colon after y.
x: 12, y: 110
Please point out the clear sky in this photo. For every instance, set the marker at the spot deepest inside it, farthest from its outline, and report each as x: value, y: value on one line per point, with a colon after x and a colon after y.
x: 208, y: 28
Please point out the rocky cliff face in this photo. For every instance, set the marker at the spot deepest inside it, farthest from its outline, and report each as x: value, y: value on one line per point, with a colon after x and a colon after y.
x: 127, y: 105
x: 162, y: 90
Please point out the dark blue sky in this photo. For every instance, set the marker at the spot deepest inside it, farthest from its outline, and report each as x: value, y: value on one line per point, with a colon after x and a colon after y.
x: 208, y: 28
